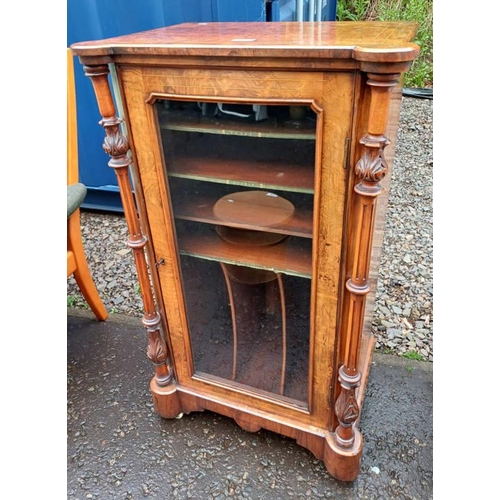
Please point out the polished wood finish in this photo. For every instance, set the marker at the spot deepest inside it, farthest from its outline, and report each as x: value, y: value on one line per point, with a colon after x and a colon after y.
x: 345, y: 73
x: 359, y: 41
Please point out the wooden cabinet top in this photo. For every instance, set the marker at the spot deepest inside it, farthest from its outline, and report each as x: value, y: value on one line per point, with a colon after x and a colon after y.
x: 370, y: 41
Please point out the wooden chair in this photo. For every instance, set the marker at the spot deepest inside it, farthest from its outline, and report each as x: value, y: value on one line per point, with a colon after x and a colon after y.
x: 77, y: 260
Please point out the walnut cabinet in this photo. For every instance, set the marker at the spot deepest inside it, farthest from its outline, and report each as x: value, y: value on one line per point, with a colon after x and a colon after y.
x: 251, y: 158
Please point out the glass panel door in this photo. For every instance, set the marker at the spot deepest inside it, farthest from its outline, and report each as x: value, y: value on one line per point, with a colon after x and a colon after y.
x: 241, y: 182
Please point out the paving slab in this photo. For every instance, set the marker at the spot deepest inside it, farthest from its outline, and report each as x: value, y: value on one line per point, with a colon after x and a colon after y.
x: 119, y: 448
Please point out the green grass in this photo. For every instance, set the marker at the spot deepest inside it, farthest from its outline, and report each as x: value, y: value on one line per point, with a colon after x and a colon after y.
x: 72, y: 300
x: 420, y: 74
x: 413, y: 355
x: 352, y: 10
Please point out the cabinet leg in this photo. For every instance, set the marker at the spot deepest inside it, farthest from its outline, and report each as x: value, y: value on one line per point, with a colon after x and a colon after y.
x: 343, y: 464
x: 165, y: 399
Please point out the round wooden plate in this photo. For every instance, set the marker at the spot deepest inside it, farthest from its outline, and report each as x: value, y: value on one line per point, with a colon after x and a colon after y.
x: 256, y: 208
x: 252, y: 208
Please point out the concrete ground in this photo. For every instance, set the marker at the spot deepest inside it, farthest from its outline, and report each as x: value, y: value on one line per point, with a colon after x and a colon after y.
x: 119, y: 448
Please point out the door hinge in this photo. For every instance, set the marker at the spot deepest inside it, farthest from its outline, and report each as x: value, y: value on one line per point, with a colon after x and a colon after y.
x: 330, y: 395
x: 347, y: 152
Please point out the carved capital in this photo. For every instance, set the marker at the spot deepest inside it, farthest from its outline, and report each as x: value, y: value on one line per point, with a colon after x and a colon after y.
x: 372, y: 166
x: 115, y: 143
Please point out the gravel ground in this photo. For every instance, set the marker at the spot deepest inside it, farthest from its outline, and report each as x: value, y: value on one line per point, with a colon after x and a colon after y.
x: 403, y: 313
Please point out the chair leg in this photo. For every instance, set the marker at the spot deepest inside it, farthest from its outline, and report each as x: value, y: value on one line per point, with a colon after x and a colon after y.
x: 82, y: 273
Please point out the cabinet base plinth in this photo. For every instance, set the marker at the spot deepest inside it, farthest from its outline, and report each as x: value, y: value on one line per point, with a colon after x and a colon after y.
x: 343, y: 464
x: 165, y: 400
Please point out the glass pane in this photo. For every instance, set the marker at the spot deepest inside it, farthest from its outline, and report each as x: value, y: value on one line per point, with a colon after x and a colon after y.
x: 241, y: 181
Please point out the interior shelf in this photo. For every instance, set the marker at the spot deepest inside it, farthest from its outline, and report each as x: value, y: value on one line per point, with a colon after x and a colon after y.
x: 241, y: 172
x: 200, y: 209
x: 266, y: 163
x: 291, y: 256
x: 194, y: 121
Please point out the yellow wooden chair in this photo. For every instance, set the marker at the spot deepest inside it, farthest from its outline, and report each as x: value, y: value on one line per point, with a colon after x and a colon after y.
x: 77, y: 260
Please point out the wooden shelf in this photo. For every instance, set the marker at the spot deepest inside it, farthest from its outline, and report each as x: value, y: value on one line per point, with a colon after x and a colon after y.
x: 193, y: 121
x: 200, y: 209
x: 241, y: 172
x: 292, y: 256
x: 265, y: 163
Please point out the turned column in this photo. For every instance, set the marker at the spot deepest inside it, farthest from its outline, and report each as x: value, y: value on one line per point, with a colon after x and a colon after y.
x: 116, y: 146
x: 370, y: 169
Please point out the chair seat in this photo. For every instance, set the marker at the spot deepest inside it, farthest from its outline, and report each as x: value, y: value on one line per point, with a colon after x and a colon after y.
x: 76, y: 195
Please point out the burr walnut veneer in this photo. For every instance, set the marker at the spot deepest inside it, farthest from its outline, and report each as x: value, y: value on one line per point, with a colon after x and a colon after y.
x: 251, y: 158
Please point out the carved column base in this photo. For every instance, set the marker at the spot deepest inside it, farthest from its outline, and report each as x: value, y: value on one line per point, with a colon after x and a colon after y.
x: 343, y: 464
x: 165, y: 399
